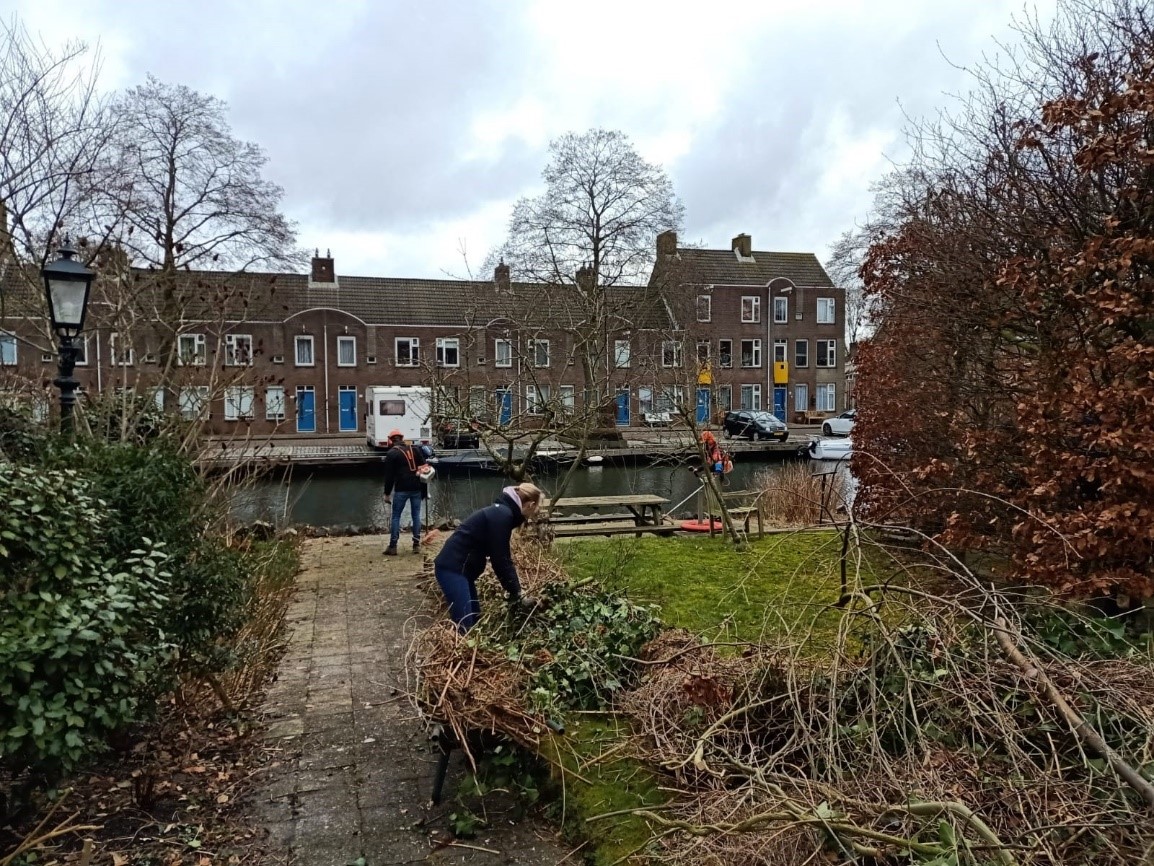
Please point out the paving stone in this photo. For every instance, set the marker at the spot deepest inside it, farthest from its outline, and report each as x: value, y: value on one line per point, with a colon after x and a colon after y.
x: 357, y: 766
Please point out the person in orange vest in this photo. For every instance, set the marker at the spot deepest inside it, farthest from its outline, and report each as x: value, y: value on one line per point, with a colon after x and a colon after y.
x: 717, y: 460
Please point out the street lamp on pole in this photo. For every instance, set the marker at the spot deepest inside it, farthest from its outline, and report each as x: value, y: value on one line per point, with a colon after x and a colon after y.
x: 66, y: 285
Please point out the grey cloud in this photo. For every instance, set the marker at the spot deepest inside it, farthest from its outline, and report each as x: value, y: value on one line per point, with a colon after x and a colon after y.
x: 367, y: 133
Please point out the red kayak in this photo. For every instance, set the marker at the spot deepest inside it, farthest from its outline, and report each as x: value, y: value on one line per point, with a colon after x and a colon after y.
x: 703, y: 525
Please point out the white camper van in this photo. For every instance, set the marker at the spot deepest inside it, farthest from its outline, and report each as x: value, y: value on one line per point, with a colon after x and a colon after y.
x: 391, y: 407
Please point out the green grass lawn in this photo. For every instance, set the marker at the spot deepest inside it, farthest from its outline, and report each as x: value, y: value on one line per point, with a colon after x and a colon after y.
x: 778, y: 588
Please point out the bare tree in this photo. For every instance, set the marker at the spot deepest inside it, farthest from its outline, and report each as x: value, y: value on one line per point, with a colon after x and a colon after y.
x: 844, y: 267
x: 592, y: 228
x: 54, y: 133
x: 188, y: 194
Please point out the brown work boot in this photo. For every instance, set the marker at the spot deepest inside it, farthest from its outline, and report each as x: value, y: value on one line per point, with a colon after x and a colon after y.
x: 391, y: 550
x: 416, y: 546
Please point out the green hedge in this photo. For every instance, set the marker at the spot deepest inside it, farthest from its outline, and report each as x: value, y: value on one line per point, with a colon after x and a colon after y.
x: 81, y: 645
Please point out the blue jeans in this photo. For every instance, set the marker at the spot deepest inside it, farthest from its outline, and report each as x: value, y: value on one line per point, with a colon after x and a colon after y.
x: 400, y: 497
x: 461, y: 594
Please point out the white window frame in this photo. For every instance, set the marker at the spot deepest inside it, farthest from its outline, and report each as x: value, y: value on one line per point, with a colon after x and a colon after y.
x: 704, y: 308
x: 644, y: 400
x: 347, y: 341
x: 780, y: 310
x: 502, y: 358
x: 124, y: 358
x: 723, y: 398
x: 827, y: 311
x: 780, y: 351
x: 622, y: 354
x: 751, y: 311
x: 478, y: 401
x: 800, y: 397
x: 827, y: 397
x: 671, y: 354
x: 567, y: 394
x: 413, y: 344
x: 191, y: 350
x: 536, y: 399
x: 8, y: 358
x: 193, y: 403
x: 239, y: 402
x: 827, y: 351
x: 721, y: 362
x: 234, y: 353
x: 754, y: 401
x: 300, y: 341
x: 443, y: 346
x: 535, y: 347
x: 704, y: 359
x: 274, y: 399
x: 81, y: 344
x: 671, y: 399
x: 755, y: 354
x: 801, y: 353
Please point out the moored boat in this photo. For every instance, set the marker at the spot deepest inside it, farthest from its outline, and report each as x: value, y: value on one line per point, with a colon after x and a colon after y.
x: 830, y: 448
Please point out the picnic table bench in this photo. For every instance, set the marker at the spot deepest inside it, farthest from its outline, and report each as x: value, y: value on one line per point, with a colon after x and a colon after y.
x: 744, y: 509
x: 643, y: 513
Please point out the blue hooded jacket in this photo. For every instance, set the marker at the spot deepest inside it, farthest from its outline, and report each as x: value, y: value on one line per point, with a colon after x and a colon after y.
x: 485, y: 535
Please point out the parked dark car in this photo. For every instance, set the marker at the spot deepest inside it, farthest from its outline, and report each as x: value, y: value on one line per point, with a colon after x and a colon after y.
x: 754, y: 425
x: 457, y: 433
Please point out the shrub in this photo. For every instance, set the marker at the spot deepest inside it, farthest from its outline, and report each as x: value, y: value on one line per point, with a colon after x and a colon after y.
x: 792, y: 495
x: 81, y: 646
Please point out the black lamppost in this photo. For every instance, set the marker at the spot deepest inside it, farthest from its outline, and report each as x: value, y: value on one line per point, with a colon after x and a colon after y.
x: 66, y: 284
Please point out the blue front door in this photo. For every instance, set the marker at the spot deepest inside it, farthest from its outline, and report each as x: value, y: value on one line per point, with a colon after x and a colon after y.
x: 622, y: 401
x: 504, y: 406
x: 702, y: 405
x: 622, y: 407
x: 306, y: 410
x: 779, y: 403
x: 348, y: 410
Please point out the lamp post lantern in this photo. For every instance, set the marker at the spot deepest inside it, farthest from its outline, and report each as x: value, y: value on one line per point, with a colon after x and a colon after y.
x: 66, y: 285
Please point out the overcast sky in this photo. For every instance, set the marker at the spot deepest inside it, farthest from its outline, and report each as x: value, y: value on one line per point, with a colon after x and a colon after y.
x: 402, y: 133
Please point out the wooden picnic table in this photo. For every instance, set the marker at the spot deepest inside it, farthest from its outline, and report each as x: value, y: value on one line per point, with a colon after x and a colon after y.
x: 646, y: 508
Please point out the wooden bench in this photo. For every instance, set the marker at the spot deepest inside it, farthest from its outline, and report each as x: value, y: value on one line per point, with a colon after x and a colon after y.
x: 743, y: 508
x: 617, y: 528
x: 593, y: 518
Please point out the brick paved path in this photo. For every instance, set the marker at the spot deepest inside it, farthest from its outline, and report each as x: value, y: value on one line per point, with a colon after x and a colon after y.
x: 356, y: 767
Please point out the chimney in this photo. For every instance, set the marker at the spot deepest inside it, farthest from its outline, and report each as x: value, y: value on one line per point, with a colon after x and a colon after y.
x: 323, y: 270
x: 585, y: 279
x: 7, y: 251
x: 667, y: 244
x: 743, y: 246
x: 501, y: 277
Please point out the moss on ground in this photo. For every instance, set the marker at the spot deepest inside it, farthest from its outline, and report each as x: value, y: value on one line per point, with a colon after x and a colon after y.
x: 593, y: 778
x: 777, y: 588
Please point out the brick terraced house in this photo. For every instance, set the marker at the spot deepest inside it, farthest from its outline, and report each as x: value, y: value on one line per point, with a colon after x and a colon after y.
x: 769, y: 328
x: 258, y: 353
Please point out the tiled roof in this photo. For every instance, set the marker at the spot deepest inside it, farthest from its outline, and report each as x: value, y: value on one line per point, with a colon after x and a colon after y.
x: 722, y: 267
x: 375, y: 300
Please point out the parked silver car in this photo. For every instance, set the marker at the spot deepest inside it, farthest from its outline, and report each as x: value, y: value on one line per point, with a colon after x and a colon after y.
x: 839, y: 425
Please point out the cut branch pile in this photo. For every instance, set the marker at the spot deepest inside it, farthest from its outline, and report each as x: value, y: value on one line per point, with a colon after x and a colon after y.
x: 469, y: 689
x: 934, y: 734
x: 467, y: 684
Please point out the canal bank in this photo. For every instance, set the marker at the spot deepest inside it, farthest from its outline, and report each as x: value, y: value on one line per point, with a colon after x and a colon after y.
x: 350, y: 496
x: 636, y: 448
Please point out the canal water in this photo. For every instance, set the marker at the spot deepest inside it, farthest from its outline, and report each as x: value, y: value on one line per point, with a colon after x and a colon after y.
x: 352, y: 496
